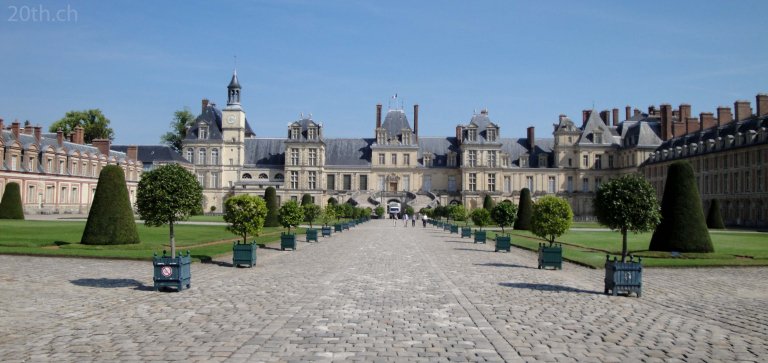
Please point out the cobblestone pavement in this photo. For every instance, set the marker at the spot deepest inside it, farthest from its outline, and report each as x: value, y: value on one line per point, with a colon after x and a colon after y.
x: 377, y: 293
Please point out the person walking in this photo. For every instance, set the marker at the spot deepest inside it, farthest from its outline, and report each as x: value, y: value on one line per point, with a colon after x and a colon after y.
x: 405, y: 219
x: 413, y: 221
x: 424, y: 220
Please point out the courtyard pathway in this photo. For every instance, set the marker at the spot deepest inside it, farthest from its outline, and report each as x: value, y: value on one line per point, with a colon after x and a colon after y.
x: 377, y: 293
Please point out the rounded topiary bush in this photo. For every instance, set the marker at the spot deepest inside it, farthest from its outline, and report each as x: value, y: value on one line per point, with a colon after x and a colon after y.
x: 682, y: 228
x: 273, y: 212
x: 714, y: 218
x: 110, y: 220
x: 524, y: 210
x: 10, y: 206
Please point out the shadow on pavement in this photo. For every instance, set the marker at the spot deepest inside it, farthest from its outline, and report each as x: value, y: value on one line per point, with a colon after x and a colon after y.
x: 108, y: 283
x: 547, y: 287
x: 472, y: 249
x: 498, y: 264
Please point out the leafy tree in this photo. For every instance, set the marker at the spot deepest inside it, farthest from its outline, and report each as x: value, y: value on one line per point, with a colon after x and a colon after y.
x: 504, y: 214
x: 457, y: 212
x: 552, y: 216
x: 440, y: 211
x: 714, y: 219
x: 481, y: 217
x: 524, y: 210
x: 166, y: 195
x: 10, y: 206
x: 627, y: 203
x: 306, y: 199
x: 367, y: 212
x: 182, y: 119
x: 245, y: 215
x: 95, y: 125
x: 311, y: 211
x: 488, y: 203
x: 110, y: 220
x: 270, y: 197
x: 683, y: 227
x: 379, y: 211
x: 409, y: 210
x: 345, y: 210
x: 328, y: 215
x: 291, y: 215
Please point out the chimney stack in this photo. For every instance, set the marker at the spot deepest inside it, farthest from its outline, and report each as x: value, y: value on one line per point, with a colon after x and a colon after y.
x: 628, y: 112
x: 685, y: 112
x: 132, y: 152
x: 60, y: 137
x: 707, y: 120
x: 458, y: 134
x: 666, y: 121
x: 27, y: 128
x: 15, y: 129
x: 79, y: 137
x: 637, y: 112
x: 585, y: 116
x: 205, y: 104
x: 724, y: 116
x: 416, y: 120
x: 743, y: 111
x: 531, y: 138
x: 103, y: 145
x: 651, y: 110
x: 606, y: 116
x: 378, y: 115
x: 615, y: 117
x: 761, y: 100
x: 38, y: 133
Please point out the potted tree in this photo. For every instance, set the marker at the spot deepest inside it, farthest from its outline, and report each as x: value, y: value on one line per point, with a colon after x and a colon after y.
x: 245, y: 215
x: 626, y: 204
x: 481, y: 217
x: 504, y: 214
x: 311, y: 211
x: 327, y: 216
x: 379, y: 212
x: 552, y: 216
x: 166, y: 195
x: 459, y: 214
x: 290, y: 216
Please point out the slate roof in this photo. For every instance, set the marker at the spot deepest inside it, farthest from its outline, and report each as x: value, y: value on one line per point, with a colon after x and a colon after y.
x: 348, y: 152
x: 149, y: 154
x: 394, y: 122
x: 212, y: 117
x: 304, y: 124
x: 265, y: 152
x: 439, y: 147
x: 595, y: 123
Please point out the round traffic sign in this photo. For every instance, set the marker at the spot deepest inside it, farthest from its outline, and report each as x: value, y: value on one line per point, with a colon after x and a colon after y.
x: 167, y: 271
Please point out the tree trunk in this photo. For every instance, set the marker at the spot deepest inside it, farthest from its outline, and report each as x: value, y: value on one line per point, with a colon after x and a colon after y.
x: 623, y: 244
x: 173, y: 241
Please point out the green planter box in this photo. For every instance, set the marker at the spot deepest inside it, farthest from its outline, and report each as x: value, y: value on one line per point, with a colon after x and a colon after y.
x: 311, y: 234
x: 345, y: 225
x: 446, y: 226
x: 244, y: 254
x: 503, y: 243
x: 480, y: 236
x: 337, y: 227
x: 172, y: 271
x: 326, y: 231
x: 466, y: 232
x: 550, y: 256
x: 623, y: 277
x: 287, y: 240
x: 454, y: 229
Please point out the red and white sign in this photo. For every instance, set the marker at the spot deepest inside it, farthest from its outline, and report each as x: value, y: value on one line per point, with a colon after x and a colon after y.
x: 167, y: 271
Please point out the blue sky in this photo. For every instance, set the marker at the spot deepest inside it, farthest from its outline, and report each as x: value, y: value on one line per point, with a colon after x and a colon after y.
x: 527, y: 62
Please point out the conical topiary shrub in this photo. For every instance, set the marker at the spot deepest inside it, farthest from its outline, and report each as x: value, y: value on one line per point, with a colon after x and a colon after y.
x: 524, y: 210
x: 682, y: 228
x: 272, y: 220
x: 10, y: 206
x: 110, y: 220
x: 488, y: 203
x: 714, y: 219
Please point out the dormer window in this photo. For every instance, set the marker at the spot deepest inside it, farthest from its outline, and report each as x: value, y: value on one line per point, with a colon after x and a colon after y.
x: 427, y: 160
x: 472, y: 135
x: 203, y: 132
x: 598, y: 137
x: 312, y: 133
x: 491, y: 134
x: 294, y: 135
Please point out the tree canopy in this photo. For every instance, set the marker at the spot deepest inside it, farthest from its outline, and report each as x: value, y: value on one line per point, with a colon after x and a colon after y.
x: 481, y: 217
x: 504, y: 214
x: 552, y: 216
x: 182, y: 119
x: 245, y: 215
x: 627, y: 204
x: 311, y: 211
x: 110, y: 219
x: 166, y: 195
x: 328, y: 215
x: 95, y: 125
x: 291, y: 215
x: 457, y: 212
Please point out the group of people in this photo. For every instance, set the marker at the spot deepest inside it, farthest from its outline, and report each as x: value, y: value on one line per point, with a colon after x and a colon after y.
x: 413, y: 219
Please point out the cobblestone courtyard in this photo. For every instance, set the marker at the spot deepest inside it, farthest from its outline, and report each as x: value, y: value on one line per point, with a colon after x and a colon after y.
x: 378, y: 293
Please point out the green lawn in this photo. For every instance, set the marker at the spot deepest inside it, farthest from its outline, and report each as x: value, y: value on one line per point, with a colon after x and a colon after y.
x: 58, y: 238
x: 591, y: 247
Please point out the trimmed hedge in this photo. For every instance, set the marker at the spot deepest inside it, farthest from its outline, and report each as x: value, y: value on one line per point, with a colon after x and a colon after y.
x: 714, y: 219
x: 10, y: 206
x: 273, y: 213
x: 524, y: 210
x: 110, y: 220
x: 488, y: 203
x: 683, y: 227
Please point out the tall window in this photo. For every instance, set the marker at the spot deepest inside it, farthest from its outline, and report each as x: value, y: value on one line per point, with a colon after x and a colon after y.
x: 49, y: 166
x: 472, y: 158
x: 507, y: 184
x: 313, y: 157
x: 407, y: 159
x: 312, y: 180
x: 406, y: 182
x: 381, y: 159
x: 586, y: 161
x: 312, y: 133
x: 62, y: 165
x: 215, y: 157
x: 203, y: 132
x: 598, y: 181
x: 394, y: 159
x: 30, y: 194
x: 610, y: 161
x: 551, y: 184
x: 427, y: 160
x: 472, y: 181
x: 294, y: 133
x: 492, y: 158
x: 529, y: 183
x: 451, y: 183
x: 294, y: 179
x: 294, y: 156
x: 63, y: 195
x: 363, y: 182
x: 490, y: 134
x: 201, y: 179
x: 191, y: 155
x: 598, y: 161
x: 201, y: 156
x: 491, y: 182
x: 585, y: 185
x: 347, y: 181
x: 214, y: 180
x: 330, y: 182
x: 570, y: 184
x: 471, y: 135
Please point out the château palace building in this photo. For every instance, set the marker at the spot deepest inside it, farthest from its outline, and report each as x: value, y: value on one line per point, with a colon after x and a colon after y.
x: 396, y: 162
x: 58, y: 174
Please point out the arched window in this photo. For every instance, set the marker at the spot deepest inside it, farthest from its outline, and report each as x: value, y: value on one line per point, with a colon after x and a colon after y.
x: 191, y: 155
x: 215, y: 157
x: 263, y: 176
x: 201, y: 156
x: 279, y: 176
x: 246, y: 176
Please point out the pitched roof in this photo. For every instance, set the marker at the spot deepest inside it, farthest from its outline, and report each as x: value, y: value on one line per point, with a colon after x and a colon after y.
x: 154, y: 153
x: 265, y: 151
x: 439, y: 147
x: 351, y: 152
x: 395, y: 121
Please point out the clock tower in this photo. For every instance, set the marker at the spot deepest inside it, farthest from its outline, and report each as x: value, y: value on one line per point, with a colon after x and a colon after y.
x: 233, y: 128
